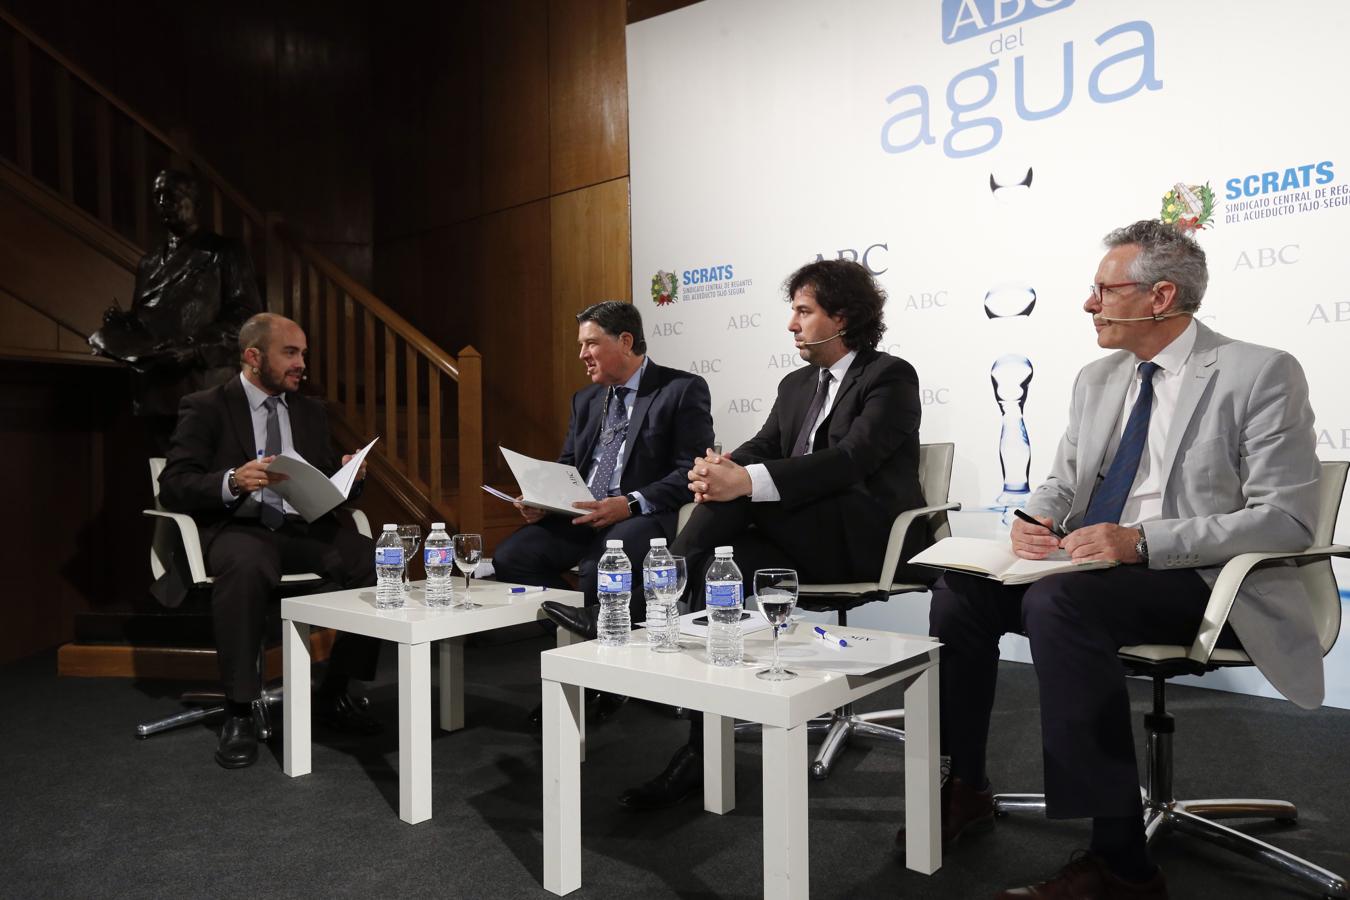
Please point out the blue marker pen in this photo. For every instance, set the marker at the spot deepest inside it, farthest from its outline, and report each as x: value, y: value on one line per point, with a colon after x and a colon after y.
x: 528, y: 589
x: 829, y: 638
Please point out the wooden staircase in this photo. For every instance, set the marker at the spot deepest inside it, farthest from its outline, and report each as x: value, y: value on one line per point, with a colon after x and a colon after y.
x: 76, y: 207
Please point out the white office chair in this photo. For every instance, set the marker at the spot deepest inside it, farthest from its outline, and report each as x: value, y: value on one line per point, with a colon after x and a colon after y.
x: 178, y: 531
x: 935, y: 477
x: 1162, y: 811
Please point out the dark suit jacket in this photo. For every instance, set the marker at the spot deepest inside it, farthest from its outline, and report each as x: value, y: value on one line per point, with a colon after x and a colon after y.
x: 671, y: 424
x: 215, y: 434
x: 867, y: 446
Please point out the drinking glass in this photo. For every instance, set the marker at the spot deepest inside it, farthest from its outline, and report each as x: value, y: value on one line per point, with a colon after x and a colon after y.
x: 776, y: 593
x: 468, y: 551
x: 670, y: 599
x: 411, y: 536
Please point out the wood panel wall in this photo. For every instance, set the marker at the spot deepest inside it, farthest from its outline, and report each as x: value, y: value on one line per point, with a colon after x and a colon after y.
x: 519, y: 218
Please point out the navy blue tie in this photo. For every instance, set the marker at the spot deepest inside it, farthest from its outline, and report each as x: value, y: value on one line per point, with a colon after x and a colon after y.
x: 1108, y: 501
x: 612, y: 434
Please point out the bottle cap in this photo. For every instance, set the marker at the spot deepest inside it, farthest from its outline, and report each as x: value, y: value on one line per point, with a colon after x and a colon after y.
x: 658, y: 542
x: 437, y: 526
x: 391, y: 528
x: 722, y: 551
x: 614, y: 545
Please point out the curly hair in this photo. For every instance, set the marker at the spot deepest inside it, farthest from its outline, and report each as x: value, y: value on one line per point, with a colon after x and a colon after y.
x: 1165, y: 254
x: 845, y: 288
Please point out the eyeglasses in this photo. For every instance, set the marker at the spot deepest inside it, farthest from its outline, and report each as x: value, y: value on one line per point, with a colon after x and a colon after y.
x: 1098, y: 289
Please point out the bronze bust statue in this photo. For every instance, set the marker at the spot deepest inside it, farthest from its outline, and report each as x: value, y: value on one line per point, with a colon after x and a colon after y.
x: 192, y: 294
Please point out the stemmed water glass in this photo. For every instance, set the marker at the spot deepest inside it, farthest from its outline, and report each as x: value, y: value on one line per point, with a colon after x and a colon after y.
x: 411, y: 536
x: 670, y: 635
x: 776, y: 593
x: 468, y: 551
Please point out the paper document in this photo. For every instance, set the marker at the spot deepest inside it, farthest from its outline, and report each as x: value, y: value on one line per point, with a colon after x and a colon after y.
x: 549, y: 486
x: 308, y: 490
x: 995, y: 559
x: 865, y: 652
x: 695, y: 624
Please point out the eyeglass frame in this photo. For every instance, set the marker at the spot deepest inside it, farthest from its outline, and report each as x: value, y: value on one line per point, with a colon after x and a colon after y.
x: 1097, y: 288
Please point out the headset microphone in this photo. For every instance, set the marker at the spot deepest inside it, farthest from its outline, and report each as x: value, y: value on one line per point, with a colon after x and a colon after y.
x: 837, y: 334
x: 1107, y: 320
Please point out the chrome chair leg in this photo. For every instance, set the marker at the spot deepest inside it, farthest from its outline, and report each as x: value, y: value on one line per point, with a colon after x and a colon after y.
x: 835, y: 742
x: 177, y: 720
x: 1006, y: 803
x: 1329, y: 883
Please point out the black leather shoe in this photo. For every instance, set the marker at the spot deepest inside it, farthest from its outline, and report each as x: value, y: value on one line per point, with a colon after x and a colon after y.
x: 682, y: 778
x: 340, y: 713
x: 581, y: 621
x: 238, y: 747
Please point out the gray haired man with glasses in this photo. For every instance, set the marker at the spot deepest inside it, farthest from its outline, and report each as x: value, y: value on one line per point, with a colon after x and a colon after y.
x: 1184, y: 449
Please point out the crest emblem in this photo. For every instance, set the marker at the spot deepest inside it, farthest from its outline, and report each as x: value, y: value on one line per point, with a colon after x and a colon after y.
x: 665, y: 288
x: 1188, y: 207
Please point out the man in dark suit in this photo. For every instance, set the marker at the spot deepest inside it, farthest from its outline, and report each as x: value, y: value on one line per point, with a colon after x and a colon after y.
x: 817, y: 489
x: 217, y: 470
x: 633, y: 435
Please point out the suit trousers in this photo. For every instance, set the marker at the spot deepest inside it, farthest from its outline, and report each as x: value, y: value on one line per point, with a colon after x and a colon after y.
x: 247, y: 560
x: 539, y: 553
x: 1076, y: 623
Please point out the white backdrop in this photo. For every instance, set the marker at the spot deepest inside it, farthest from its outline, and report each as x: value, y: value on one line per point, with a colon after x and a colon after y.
x: 766, y: 133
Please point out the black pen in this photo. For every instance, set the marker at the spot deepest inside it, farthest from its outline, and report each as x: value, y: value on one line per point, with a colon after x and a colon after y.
x: 1053, y: 529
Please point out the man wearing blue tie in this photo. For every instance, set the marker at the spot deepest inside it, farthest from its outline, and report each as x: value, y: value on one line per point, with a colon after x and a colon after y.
x: 1184, y: 449
x: 633, y: 434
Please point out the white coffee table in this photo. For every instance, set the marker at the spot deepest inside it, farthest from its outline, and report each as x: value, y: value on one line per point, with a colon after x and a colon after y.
x: 783, y: 709
x: 413, y: 628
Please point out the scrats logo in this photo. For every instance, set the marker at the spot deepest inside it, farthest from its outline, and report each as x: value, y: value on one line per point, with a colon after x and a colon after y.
x: 962, y: 19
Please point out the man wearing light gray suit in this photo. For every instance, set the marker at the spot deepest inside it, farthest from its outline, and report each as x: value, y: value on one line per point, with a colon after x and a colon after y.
x: 1184, y: 449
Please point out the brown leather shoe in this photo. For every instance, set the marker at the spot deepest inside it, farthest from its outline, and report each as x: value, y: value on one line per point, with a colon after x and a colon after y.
x: 1087, y: 878
x: 964, y: 811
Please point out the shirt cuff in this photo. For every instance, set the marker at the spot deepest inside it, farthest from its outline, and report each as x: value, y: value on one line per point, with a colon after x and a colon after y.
x: 225, y: 496
x: 643, y: 504
x: 762, y: 488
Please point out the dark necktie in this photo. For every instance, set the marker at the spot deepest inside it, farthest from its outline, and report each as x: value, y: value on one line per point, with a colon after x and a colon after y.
x: 1108, y: 500
x: 272, y: 514
x: 802, y: 446
x: 612, y: 433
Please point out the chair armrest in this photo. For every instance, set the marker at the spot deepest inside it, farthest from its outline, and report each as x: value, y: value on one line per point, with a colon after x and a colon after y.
x: 192, y: 542
x: 899, y: 531
x: 1230, y: 580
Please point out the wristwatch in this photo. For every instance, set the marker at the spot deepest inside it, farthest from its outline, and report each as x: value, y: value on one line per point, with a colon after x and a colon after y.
x: 634, y: 507
x: 233, y: 484
x: 1141, y: 547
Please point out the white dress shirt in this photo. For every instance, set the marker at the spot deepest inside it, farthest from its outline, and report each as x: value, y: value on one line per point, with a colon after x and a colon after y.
x: 258, y: 413
x: 762, y: 488
x: 1144, y: 502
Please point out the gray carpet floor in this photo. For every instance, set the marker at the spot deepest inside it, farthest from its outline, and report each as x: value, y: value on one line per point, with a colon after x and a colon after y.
x: 89, y: 811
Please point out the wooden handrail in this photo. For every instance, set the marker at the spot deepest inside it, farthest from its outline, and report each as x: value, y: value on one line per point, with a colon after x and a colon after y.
x: 200, y: 164
x: 354, y: 289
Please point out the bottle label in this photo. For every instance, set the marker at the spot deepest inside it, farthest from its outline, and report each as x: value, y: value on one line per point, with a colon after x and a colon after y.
x: 662, y: 579
x: 724, y: 595
x: 437, y: 556
x: 388, y: 556
x: 614, y: 582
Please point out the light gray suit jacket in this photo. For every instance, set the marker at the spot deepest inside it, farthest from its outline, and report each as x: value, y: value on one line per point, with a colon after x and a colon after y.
x: 1240, y: 475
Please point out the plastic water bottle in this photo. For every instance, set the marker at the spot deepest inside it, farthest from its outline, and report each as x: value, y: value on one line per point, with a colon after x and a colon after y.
x: 725, y: 600
x: 439, y: 557
x: 659, y: 583
x: 389, y: 569
x: 614, y: 584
